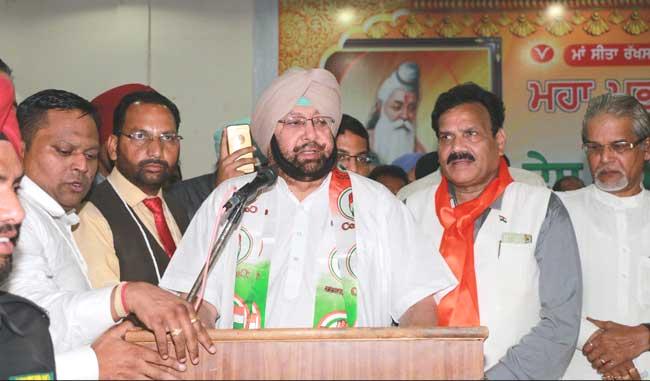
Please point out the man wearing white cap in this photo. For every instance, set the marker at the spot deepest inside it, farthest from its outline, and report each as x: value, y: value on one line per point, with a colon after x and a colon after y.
x: 392, y: 123
x: 319, y: 248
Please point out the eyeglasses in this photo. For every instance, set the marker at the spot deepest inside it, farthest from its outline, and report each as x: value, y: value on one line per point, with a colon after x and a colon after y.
x: 298, y: 122
x: 142, y: 138
x: 620, y: 147
x: 363, y: 159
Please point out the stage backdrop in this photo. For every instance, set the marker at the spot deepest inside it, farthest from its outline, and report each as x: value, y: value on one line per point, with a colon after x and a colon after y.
x: 545, y: 58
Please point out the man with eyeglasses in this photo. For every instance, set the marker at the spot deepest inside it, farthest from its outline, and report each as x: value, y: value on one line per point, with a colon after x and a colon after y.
x: 321, y: 247
x: 60, y: 131
x: 353, y: 146
x: 129, y: 229
x: 612, y: 222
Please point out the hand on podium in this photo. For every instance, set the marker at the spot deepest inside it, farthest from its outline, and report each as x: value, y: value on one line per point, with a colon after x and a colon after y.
x: 118, y: 359
x: 168, y: 316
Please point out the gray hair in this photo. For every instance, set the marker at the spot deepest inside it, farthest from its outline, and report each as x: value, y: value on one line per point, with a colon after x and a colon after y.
x: 621, y: 106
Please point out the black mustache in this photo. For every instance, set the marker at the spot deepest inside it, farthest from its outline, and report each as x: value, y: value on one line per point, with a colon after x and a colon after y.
x: 455, y: 156
x: 309, y: 145
x: 154, y: 161
x: 7, y: 228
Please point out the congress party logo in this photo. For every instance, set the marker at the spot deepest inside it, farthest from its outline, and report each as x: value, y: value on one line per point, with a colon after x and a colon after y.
x: 342, y: 266
x: 336, y: 319
x: 245, y: 245
x: 346, y: 204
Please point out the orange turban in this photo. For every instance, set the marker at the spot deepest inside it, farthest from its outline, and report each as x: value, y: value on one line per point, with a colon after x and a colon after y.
x: 317, y: 85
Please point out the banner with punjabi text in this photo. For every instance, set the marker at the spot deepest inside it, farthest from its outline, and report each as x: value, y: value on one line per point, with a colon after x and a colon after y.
x: 553, y: 57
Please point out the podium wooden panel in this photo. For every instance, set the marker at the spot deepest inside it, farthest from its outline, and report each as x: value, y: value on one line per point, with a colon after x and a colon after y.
x: 352, y: 353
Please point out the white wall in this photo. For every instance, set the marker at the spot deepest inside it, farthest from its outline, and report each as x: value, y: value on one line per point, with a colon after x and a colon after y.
x: 197, y: 52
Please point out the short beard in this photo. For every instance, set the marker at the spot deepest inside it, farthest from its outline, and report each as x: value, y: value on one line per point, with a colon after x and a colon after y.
x: 299, y: 171
x: 5, y: 269
x: 139, y: 179
x: 619, y: 185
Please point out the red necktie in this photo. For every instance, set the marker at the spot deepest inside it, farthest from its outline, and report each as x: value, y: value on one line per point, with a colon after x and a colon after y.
x: 155, y: 205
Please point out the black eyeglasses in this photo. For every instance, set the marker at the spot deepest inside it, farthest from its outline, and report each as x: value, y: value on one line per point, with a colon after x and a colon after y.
x: 620, y: 147
x: 142, y: 138
x: 361, y: 159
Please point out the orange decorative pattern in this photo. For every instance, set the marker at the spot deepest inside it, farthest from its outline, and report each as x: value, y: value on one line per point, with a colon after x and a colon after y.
x: 311, y: 29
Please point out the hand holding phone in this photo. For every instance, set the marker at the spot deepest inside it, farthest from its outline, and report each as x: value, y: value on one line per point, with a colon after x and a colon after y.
x: 236, y: 153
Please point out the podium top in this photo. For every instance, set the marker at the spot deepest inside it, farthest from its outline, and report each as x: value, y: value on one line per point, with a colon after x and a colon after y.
x: 338, y: 334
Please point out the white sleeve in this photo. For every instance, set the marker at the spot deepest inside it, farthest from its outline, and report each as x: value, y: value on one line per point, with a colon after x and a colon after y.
x: 76, y: 317
x: 642, y: 364
x: 418, y: 269
x: 78, y: 364
x: 192, y: 251
x: 587, y: 329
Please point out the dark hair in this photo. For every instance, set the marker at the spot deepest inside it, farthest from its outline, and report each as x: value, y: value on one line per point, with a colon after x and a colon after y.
x: 33, y: 110
x: 572, y: 182
x: 355, y: 127
x: 469, y: 93
x: 427, y: 164
x: 388, y: 170
x: 4, y: 68
x: 148, y: 97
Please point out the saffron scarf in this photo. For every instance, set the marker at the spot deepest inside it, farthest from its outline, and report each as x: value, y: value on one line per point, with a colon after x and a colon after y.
x: 460, y: 307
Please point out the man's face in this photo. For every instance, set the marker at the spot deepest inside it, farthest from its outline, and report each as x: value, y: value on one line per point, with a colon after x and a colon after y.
x: 469, y: 154
x: 150, y: 162
x: 350, y: 147
x: 617, y: 173
x: 402, y: 105
x: 11, y: 213
x: 308, y: 147
x: 62, y: 157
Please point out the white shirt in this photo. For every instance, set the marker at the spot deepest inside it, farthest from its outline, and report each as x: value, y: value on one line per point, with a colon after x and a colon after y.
x: 395, y: 269
x: 614, y: 239
x: 50, y: 271
x: 427, y: 182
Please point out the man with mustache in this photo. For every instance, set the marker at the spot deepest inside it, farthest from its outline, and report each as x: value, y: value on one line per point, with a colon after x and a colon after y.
x: 319, y: 248
x: 511, y: 245
x: 129, y: 229
x: 60, y: 161
x: 25, y: 343
x: 612, y: 223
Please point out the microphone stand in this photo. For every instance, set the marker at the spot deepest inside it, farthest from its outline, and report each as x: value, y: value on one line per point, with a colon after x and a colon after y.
x: 232, y: 221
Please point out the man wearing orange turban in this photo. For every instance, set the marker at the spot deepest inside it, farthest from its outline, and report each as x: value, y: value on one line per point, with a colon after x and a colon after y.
x: 319, y: 248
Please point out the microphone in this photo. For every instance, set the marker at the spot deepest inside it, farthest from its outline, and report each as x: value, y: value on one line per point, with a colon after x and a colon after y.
x: 266, y: 176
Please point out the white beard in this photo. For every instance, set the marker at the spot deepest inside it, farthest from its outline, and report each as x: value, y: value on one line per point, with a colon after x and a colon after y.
x: 619, y: 185
x: 393, y: 138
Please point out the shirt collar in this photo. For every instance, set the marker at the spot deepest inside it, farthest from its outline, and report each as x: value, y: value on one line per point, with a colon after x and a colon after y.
x: 307, y: 202
x: 127, y: 190
x: 31, y: 190
x: 617, y: 202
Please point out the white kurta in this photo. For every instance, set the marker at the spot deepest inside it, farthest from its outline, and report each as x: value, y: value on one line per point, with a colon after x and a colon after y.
x: 614, y: 240
x: 394, y: 268
x: 50, y: 271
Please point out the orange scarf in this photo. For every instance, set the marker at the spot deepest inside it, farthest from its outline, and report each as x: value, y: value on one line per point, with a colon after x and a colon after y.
x: 459, y: 308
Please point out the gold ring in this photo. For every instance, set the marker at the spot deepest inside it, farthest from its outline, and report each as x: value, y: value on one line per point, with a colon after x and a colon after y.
x: 629, y: 371
x: 176, y: 331
x: 194, y: 320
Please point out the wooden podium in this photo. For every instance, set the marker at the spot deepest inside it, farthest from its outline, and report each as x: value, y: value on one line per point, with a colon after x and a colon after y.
x: 352, y: 353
